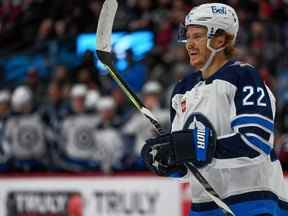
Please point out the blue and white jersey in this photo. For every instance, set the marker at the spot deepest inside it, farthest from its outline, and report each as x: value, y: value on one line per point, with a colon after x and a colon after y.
x: 25, y: 137
x: 77, y: 136
x: 242, y: 109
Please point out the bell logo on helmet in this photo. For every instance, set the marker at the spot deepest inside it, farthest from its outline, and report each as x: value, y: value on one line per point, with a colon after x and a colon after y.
x: 218, y: 10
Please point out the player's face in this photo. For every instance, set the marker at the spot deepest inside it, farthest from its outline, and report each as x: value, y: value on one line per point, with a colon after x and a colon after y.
x: 4, y: 108
x: 197, y: 45
x: 78, y: 104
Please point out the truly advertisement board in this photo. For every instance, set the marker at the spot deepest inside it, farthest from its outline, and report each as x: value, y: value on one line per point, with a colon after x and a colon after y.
x: 113, y: 202
x: 117, y: 196
x: 40, y: 203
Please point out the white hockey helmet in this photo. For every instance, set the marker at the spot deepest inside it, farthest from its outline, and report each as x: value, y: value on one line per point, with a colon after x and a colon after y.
x: 91, y: 99
x: 22, y: 96
x: 214, y: 16
x: 78, y: 90
x: 4, y: 96
x: 106, y: 103
x: 152, y: 87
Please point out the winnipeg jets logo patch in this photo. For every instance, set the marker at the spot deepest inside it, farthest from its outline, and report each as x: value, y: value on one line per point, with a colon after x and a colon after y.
x: 183, y: 105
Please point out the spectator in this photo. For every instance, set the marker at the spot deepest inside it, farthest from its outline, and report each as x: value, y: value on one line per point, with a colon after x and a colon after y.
x: 9, y: 13
x: 43, y: 36
x: 61, y: 75
x: 282, y: 144
x: 89, y: 75
x: 111, y: 148
x: 136, y: 72
x: 56, y: 108
x: 282, y: 138
x: 142, y: 11
x: 84, y: 76
x: 53, y: 112
x: 123, y: 107
x: 4, y: 104
x: 36, y: 85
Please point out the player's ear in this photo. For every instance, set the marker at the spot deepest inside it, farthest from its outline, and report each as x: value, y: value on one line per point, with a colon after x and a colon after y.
x: 218, y: 41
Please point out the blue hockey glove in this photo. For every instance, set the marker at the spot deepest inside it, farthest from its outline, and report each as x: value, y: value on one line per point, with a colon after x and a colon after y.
x: 196, y: 143
x: 159, y: 158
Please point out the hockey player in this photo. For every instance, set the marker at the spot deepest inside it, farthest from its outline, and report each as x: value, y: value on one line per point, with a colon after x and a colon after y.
x: 111, y: 145
x: 25, y: 136
x: 76, y: 144
x: 140, y: 127
x: 137, y: 128
x: 222, y: 121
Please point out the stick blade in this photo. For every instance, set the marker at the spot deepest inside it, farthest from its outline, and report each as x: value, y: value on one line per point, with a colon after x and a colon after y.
x: 105, y: 25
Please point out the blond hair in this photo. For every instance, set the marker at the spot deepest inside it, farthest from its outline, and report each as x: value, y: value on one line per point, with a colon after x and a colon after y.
x: 229, y: 50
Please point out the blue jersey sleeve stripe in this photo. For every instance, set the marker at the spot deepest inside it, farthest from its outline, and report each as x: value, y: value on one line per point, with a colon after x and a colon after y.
x: 259, y: 143
x: 259, y: 127
x: 252, y: 120
x: 255, y: 130
x: 253, y: 115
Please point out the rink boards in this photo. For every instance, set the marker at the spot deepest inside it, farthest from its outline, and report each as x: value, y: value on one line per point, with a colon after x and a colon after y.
x: 90, y: 196
x: 93, y: 196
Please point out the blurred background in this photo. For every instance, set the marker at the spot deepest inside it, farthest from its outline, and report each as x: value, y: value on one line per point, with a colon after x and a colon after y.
x: 59, y: 112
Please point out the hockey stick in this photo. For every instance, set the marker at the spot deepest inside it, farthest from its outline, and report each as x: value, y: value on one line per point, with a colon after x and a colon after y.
x: 103, y: 50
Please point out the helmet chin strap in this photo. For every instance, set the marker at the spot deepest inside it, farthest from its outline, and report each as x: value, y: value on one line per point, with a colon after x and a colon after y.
x: 211, y: 56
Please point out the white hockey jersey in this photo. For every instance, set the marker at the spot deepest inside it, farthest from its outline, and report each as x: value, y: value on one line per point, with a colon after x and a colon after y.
x: 242, y: 109
x: 142, y: 127
x: 25, y: 137
x: 82, y: 140
x: 77, y: 132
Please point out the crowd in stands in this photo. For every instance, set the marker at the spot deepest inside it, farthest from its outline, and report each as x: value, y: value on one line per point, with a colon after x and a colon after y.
x: 57, y: 113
